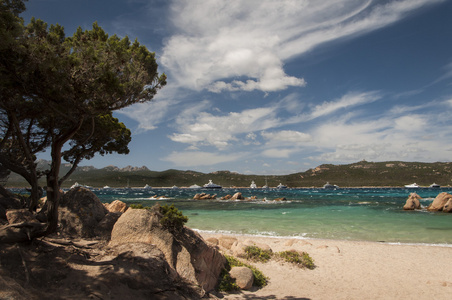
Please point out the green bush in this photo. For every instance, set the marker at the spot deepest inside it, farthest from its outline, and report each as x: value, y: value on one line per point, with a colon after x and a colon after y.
x: 303, y: 260
x: 257, y: 254
x: 228, y: 284
x: 173, y: 219
x: 137, y: 206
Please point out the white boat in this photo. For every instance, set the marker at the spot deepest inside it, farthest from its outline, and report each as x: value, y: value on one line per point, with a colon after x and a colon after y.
x: 75, y: 185
x: 281, y: 186
x: 434, y: 185
x: 329, y: 186
x: 174, y: 187
x: 266, y: 184
x: 106, y: 187
x: 194, y: 186
x: 253, y: 185
x: 412, y: 186
x: 147, y: 187
x: 212, y: 185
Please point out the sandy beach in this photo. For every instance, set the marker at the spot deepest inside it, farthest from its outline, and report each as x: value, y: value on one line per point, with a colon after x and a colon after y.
x: 353, y: 270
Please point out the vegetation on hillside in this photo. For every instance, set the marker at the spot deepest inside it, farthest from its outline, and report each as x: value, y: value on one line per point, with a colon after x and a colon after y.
x: 390, y: 174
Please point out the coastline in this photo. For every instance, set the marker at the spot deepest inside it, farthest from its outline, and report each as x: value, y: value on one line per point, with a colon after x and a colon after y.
x: 352, y: 270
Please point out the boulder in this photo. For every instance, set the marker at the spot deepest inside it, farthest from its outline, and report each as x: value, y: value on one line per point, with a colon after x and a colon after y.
x: 204, y: 196
x: 227, y: 197
x: 243, y: 277
x: 439, y: 202
x: 80, y: 212
x: 116, y: 206
x: 281, y: 199
x: 412, y: 202
x: 238, y: 248
x: 226, y: 241
x: 448, y: 206
x: 185, y: 251
x: 19, y: 215
x: 237, y: 196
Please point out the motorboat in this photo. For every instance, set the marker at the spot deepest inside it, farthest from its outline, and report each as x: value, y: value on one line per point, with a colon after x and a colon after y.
x: 434, y: 185
x: 106, y: 187
x: 75, y: 185
x: 281, y: 186
x: 194, y: 186
x: 212, y: 185
x: 329, y: 186
x: 412, y: 186
x: 174, y: 187
x: 253, y: 185
x: 147, y: 187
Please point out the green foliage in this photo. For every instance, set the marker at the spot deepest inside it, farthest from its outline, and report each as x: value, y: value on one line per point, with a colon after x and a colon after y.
x: 303, y: 260
x: 138, y: 206
x: 173, y: 219
x: 227, y: 283
x: 257, y: 254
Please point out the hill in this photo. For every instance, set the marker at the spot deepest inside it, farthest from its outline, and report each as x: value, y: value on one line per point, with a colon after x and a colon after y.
x: 363, y: 173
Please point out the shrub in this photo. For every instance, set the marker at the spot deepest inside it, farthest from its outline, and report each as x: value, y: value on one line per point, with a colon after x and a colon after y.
x: 228, y: 284
x: 137, y: 206
x: 303, y: 260
x: 257, y: 254
x: 173, y: 219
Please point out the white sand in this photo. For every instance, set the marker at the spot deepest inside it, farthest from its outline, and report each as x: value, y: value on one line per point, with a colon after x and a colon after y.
x: 354, y: 270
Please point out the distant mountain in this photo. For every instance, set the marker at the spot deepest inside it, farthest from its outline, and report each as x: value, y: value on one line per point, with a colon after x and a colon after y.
x: 363, y: 173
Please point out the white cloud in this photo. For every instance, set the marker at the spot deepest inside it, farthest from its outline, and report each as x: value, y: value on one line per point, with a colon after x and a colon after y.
x: 349, y: 100
x: 287, y: 136
x: 242, y: 45
x: 278, y: 152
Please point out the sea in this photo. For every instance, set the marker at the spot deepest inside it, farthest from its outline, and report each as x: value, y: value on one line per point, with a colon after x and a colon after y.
x: 356, y: 214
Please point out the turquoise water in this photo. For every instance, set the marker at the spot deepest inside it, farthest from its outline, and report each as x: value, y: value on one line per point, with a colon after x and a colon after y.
x: 368, y: 214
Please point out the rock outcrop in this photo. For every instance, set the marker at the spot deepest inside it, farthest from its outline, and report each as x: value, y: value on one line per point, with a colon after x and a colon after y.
x: 80, y: 212
x: 185, y: 251
x: 204, y: 196
x: 440, y: 201
x: 412, y: 202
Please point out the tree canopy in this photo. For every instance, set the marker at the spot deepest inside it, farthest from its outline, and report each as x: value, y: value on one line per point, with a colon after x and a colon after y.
x: 58, y: 91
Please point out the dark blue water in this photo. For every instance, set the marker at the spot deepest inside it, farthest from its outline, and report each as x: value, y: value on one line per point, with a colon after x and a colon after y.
x: 370, y: 214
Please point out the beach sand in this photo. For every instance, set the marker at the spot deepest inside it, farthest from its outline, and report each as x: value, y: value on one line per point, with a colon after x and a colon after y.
x: 353, y: 270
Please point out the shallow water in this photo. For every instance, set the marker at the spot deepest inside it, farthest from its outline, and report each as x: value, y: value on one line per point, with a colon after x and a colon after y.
x: 369, y: 214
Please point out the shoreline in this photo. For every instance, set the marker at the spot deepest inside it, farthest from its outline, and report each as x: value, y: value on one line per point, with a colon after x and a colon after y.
x: 210, y: 233
x: 351, y: 270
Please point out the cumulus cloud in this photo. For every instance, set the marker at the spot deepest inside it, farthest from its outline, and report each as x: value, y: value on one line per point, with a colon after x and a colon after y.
x: 287, y: 136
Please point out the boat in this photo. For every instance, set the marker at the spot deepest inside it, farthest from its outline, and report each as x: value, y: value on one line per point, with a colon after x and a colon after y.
x: 147, y: 187
x: 281, y: 186
x: 434, y: 185
x: 329, y: 186
x: 266, y: 184
x: 212, y: 185
x: 106, y: 187
x: 174, y: 187
x: 75, y: 185
x: 194, y: 186
x: 253, y: 185
x: 412, y: 186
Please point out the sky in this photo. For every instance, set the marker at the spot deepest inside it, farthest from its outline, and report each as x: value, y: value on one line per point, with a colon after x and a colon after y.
x: 279, y: 87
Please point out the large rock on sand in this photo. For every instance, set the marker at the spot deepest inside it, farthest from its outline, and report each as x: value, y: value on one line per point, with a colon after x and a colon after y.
x: 185, y: 251
x: 243, y: 277
x: 80, y: 212
x: 412, y: 202
x: 439, y: 202
x: 448, y: 206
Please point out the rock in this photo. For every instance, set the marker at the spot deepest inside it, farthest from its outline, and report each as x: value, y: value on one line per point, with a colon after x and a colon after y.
x: 238, y: 248
x: 237, y: 196
x: 105, y: 226
x: 227, y: 197
x: 243, y: 277
x: 212, y: 240
x: 80, y: 212
x: 412, y: 202
x: 226, y: 241
x: 186, y: 252
x: 19, y: 215
x: 439, y: 202
x: 116, y: 206
x: 448, y: 206
x: 204, y: 196
x: 281, y: 199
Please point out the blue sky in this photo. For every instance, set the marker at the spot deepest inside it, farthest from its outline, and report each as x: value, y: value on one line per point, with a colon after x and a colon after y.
x: 278, y: 87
